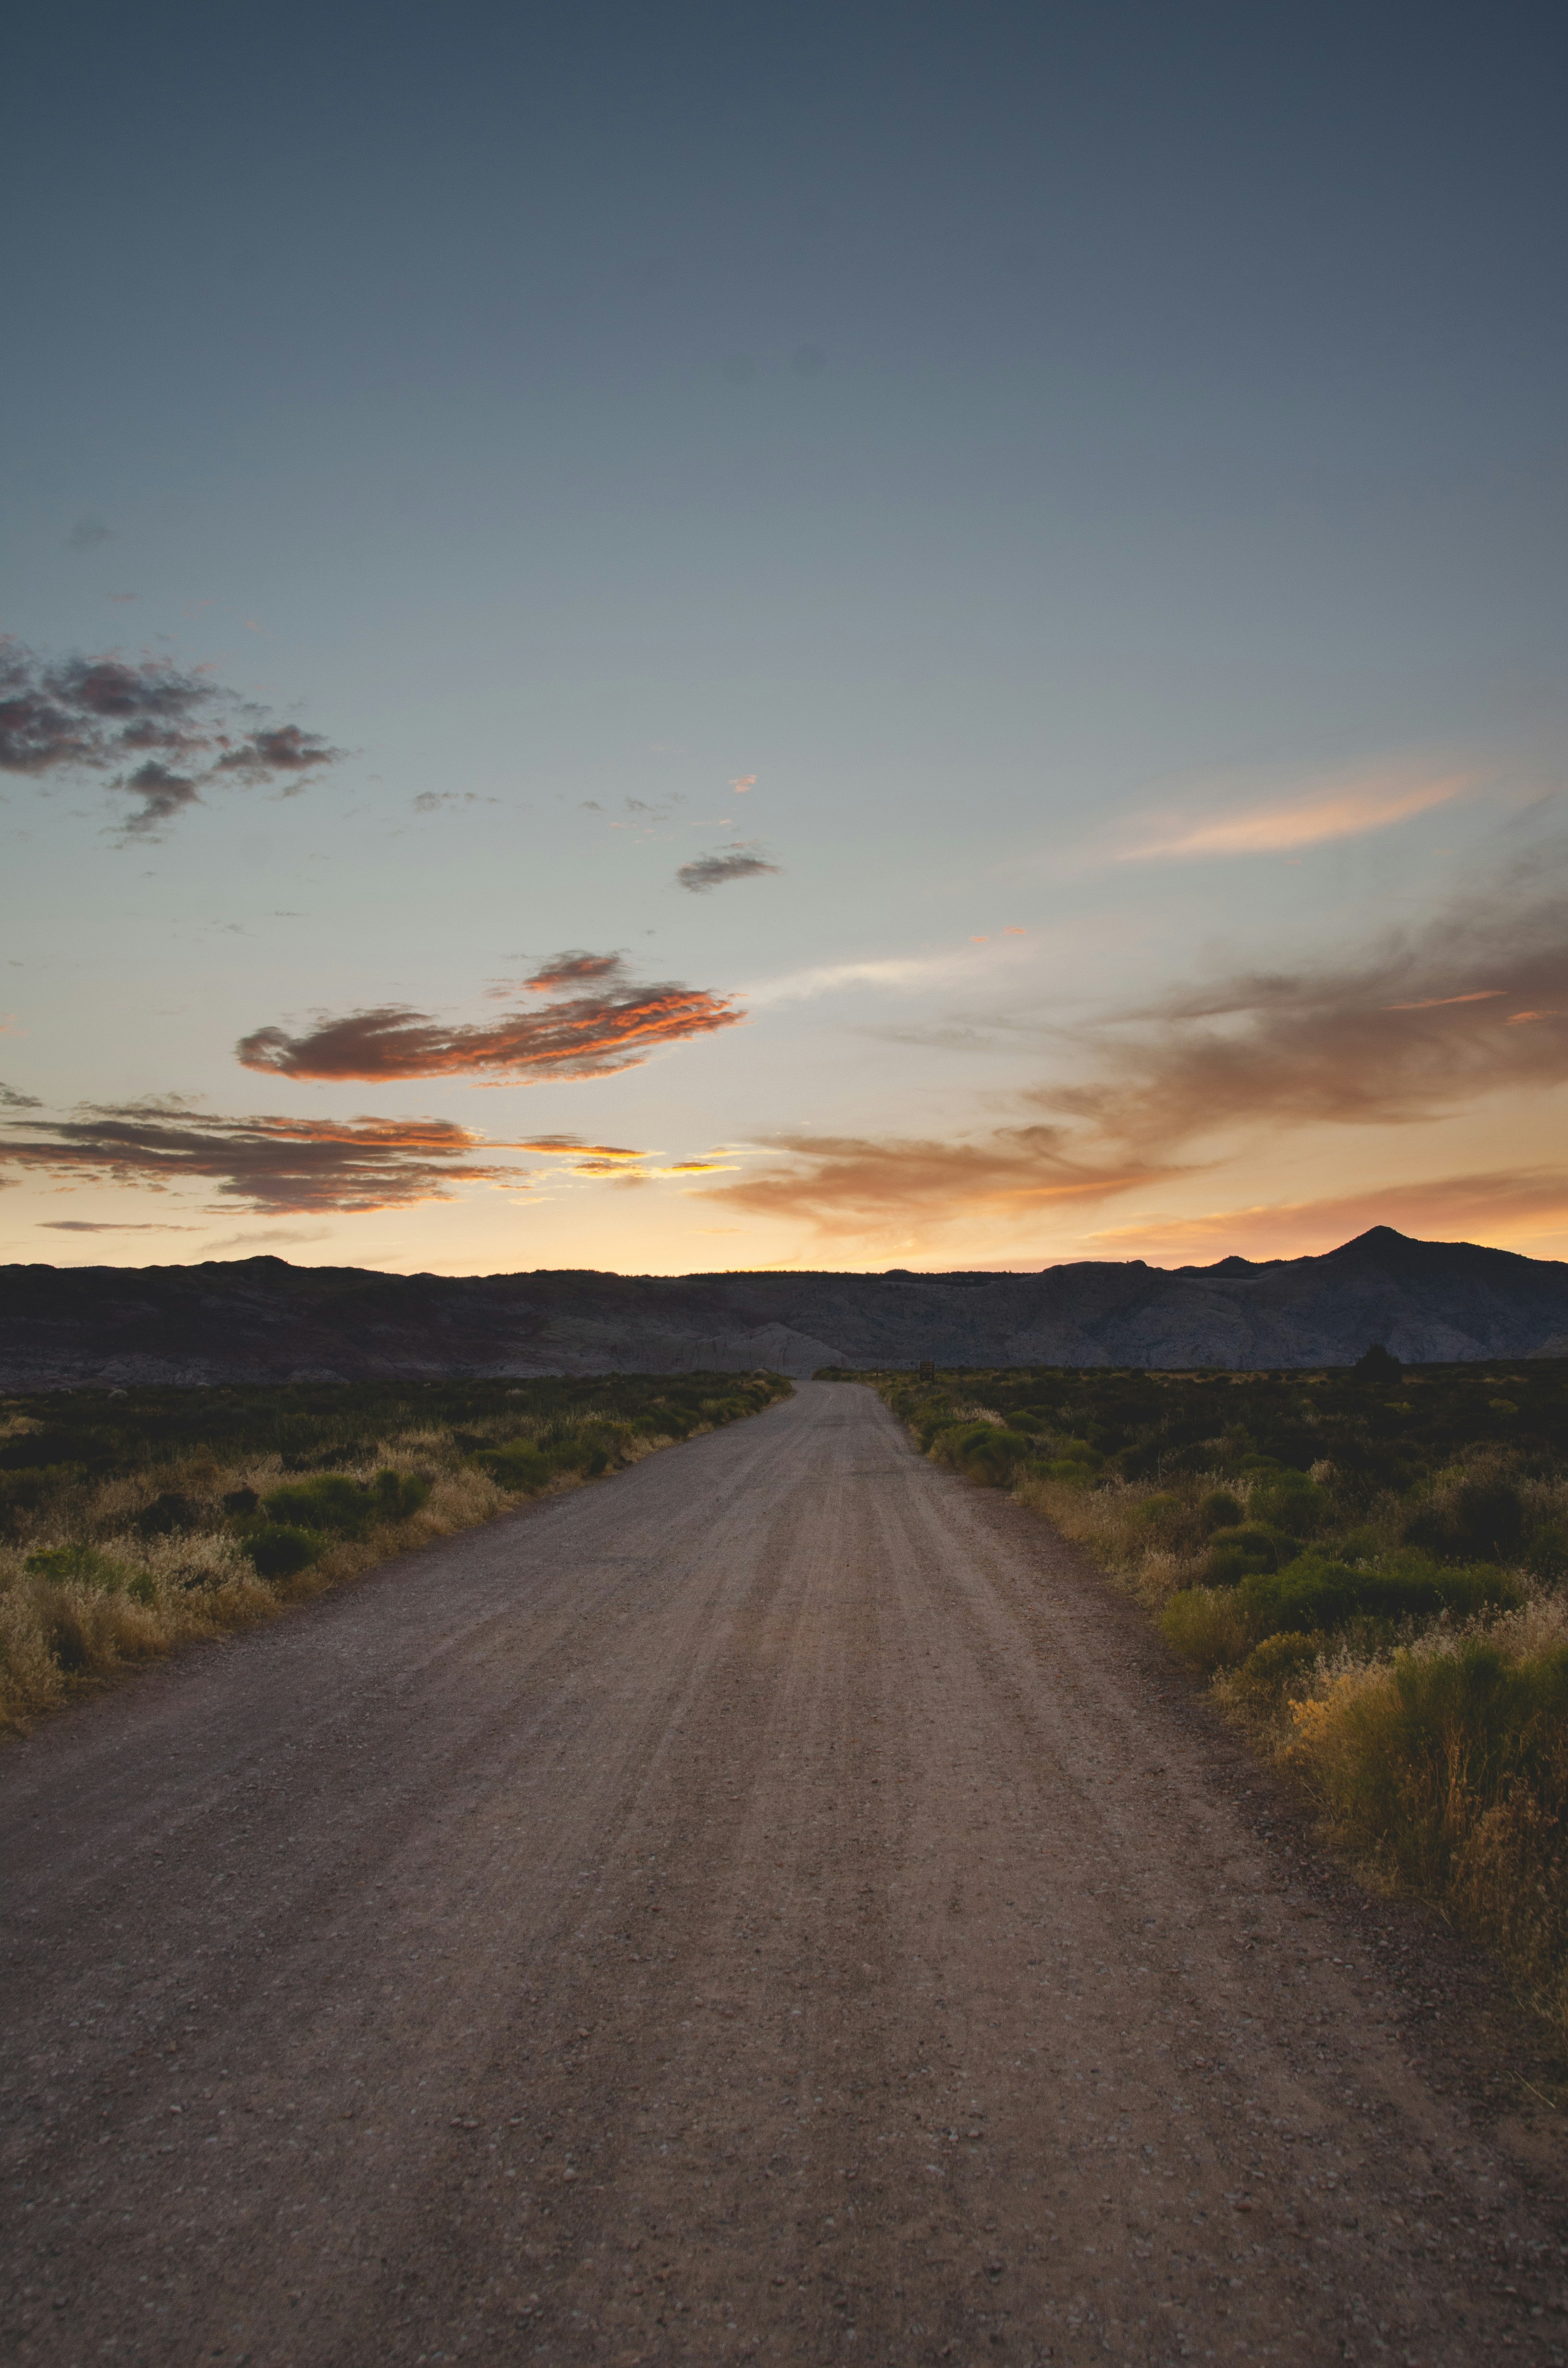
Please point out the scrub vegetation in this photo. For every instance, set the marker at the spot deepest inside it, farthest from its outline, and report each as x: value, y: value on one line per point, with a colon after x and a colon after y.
x: 1368, y: 1564
x: 131, y: 1519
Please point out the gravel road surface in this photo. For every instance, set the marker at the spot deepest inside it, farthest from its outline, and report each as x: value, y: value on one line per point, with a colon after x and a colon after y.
x: 778, y: 1904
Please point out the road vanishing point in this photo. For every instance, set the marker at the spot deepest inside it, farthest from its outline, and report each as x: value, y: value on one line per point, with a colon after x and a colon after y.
x: 780, y: 1904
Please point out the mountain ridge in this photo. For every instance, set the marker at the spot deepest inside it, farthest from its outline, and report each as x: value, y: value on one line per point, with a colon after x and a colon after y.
x: 262, y: 1320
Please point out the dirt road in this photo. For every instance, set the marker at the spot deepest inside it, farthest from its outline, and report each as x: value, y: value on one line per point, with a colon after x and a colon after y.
x: 777, y: 1903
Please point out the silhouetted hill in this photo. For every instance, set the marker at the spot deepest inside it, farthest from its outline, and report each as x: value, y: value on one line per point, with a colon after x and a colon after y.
x: 262, y: 1320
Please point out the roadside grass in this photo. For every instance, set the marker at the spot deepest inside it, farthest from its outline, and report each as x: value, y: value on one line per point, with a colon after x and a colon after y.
x: 1369, y: 1567
x: 134, y: 1520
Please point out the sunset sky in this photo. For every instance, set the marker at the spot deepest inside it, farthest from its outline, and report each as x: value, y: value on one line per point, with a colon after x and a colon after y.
x: 665, y: 638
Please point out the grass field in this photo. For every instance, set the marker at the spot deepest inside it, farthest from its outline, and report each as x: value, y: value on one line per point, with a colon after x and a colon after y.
x: 1369, y: 1567
x: 131, y: 1520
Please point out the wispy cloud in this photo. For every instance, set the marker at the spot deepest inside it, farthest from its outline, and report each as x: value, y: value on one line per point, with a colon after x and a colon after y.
x: 1404, y: 1033
x: 163, y: 734
x: 281, y: 1166
x: 614, y: 1026
x: 1279, y: 826
x: 1418, y: 1025
x: 705, y: 872
x: 854, y: 1184
x: 1441, y: 1002
x: 895, y: 972
x: 11, y: 1099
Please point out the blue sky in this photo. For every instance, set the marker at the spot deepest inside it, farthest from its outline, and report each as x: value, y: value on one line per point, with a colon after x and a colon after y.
x: 1095, y: 478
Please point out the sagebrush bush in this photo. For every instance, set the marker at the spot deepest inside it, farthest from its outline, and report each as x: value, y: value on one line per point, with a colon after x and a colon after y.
x: 1282, y: 1668
x: 1234, y: 1553
x: 343, y: 1507
x: 1313, y: 1593
x: 280, y: 1549
x: 516, y: 1466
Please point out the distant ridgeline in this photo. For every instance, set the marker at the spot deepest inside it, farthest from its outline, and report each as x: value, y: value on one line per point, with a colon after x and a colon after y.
x: 262, y: 1320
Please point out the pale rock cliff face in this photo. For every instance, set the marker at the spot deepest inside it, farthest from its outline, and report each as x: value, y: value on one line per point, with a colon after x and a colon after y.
x: 261, y: 1320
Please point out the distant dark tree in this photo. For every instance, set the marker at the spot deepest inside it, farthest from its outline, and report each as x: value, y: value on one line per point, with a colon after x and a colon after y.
x: 1377, y: 1365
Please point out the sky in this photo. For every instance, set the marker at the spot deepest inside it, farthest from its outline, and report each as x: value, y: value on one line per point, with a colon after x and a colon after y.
x: 684, y: 638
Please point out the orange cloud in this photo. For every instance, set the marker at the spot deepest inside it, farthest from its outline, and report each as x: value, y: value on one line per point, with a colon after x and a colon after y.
x: 1352, y: 1044
x: 1345, y: 811
x: 852, y: 1184
x: 615, y: 1026
x: 572, y: 1146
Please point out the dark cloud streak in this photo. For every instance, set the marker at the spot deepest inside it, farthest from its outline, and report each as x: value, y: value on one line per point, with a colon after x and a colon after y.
x: 705, y: 872
x: 277, y: 1166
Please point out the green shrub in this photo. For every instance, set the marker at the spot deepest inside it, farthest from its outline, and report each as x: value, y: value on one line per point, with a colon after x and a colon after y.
x: 577, y: 1453
x: 518, y: 1467
x: 665, y: 1421
x: 1280, y: 1669
x: 1221, y: 1511
x: 331, y: 1501
x: 1232, y: 1554
x: 1314, y: 1593
x: 279, y: 1550
x: 1289, y: 1501
x: 1068, y: 1468
x: 986, y: 1453
x: 398, y: 1495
